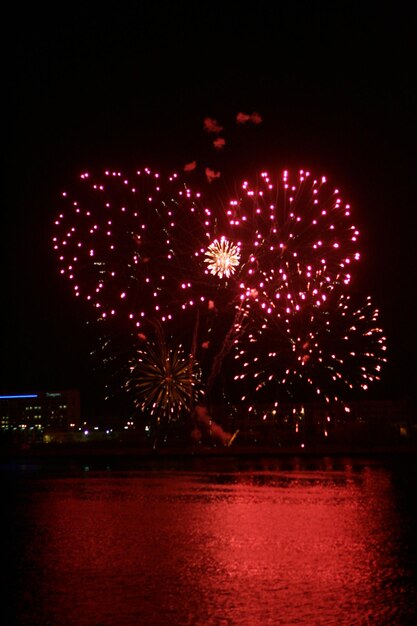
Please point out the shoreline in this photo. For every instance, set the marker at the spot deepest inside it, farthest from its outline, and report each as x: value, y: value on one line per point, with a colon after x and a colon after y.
x: 62, y: 453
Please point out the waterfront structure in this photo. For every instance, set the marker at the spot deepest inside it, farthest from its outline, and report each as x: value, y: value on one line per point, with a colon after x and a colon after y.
x: 29, y: 415
x: 54, y: 416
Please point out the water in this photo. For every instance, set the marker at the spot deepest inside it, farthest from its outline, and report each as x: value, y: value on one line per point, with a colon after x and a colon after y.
x: 213, y: 542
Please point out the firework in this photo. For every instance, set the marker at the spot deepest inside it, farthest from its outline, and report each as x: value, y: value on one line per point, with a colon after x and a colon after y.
x: 126, y: 244
x: 140, y: 247
x: 222, y: 258
x: 322, y: 352
x: 296, y: 237
x: 164, y: 380
x: 260, y: 272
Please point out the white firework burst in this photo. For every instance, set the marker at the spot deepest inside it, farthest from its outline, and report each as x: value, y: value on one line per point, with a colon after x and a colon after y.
x: 222, y: 257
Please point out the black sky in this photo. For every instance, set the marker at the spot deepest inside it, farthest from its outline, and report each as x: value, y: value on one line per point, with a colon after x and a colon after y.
x: 130, y: 84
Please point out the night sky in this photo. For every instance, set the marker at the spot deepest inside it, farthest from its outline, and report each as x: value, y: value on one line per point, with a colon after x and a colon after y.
x: 130, y: 85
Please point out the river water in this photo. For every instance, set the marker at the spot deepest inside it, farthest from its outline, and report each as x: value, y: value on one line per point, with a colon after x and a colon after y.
x: 210, y: 542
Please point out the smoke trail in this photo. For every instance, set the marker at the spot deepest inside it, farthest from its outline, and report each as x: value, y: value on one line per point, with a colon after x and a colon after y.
x: 204, y: 420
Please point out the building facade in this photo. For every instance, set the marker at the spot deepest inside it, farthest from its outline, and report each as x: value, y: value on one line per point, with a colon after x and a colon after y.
x: 28, y: 415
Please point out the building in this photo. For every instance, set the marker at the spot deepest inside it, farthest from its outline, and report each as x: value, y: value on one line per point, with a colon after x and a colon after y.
x: 27, y: 416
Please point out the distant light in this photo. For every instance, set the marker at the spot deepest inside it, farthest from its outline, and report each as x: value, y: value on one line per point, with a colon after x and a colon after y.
x: 29, y: 395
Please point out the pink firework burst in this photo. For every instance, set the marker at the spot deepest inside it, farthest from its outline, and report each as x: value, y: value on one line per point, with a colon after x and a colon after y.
x: 297, y: 239
x: 235, y: 272
x: 132, y: 245
x: 138, y: 246
x: 326, y: 353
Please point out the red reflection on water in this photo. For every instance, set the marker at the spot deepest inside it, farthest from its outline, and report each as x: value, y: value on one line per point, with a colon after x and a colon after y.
x: 272, y: 548
x: 314, y: 552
